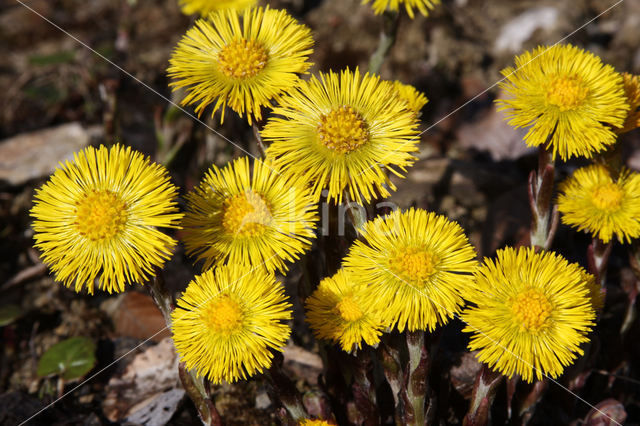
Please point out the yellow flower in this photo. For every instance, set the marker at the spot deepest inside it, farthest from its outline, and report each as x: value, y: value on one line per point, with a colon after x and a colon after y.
x: 315, y: 422
x: 97, y: 217
x: 532, y: 311
x: 228, y: 321
x: 204, y: 7
x: 416, y: 264
x: 632, y: 92
x: 592, y: 201
x: 414, y: 99
x: 567, y: 97
x: 343, y: 131
x: 596, y: 293
x: 423, y: 6
x: 337, y: 311
x: 240, y: 59
x: 257, y: 217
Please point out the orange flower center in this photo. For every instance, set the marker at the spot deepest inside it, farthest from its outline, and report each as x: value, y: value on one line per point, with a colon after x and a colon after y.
x: 607, y: 196
x: 343, y: 130
x: 348, y: 309
x: 531, y: 308
x: 414, y: 264
x: 100, y: 215
x: 246, y: 215
x: 223, y: 315
x: 242, y: 59
x: 566, y: 93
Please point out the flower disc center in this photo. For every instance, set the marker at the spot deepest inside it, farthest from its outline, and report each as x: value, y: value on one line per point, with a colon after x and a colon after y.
x: 414, y: 264
x: 343, y: 130
x: 223, y: 315
x: 566, y: 93
x: 348, y: 309
x: 246, y: 214
x: 607, y: 196
x: 242, y: 59
x: 531, y: 308
x: 100, y: 215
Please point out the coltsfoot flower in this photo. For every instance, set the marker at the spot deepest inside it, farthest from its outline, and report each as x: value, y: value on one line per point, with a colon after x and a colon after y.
x: 416, y: 263
x: 343, y: 132
x: 240, y: 59
x: 229, y: 320
x: 338, y: 311
x: 592, y: 201
x: 97, y: 218
x: 252, y: 217
x: 414, y: 99
x: 567, y: 97
x: 204, y: 7
x: 532, y: 312
x: 632, y: 92
x: 423, y: 6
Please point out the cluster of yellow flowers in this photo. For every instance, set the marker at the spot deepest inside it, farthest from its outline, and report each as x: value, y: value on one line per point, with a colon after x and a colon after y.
x: 97, y: 219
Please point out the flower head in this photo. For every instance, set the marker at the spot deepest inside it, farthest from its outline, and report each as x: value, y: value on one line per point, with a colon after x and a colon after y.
x: 423, y: 6
x: 567, y: 97
x: 341, y: 132
x: 592, y: 201
x: 228, y: 321
x: 204, y: 7
x: 252, y: 217
x: 632, y: 92
x: 315, y: 422
x: 414, y: 99
x: 240, y: 59
x: 337, y: 311
x: 532, y: 311
x: 97, y: 217
x: 415, y: 264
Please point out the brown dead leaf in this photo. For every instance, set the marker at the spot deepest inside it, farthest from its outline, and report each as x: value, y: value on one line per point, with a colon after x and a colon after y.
x: 150, y: 381
x: 136, y: 315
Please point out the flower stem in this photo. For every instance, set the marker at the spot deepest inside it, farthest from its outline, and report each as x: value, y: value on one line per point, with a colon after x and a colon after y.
x: 389, y: 357
x: 364, y: 390
x: 484, y: 392
x: 193, y: 385
x: 285, y: 390
x: 387, y: 40
x: 256, y: 133
x: 417, y: 378
x: 544, y: 220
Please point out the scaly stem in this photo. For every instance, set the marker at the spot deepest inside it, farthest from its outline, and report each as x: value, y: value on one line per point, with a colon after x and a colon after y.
x: 285, y: 390
x: 364, y: 390
x: 387, y: 40
x: 256, y: 133
x: 484, y: 391
x: 417, y: 379
x: 193, y: 385
x: 544, y: 222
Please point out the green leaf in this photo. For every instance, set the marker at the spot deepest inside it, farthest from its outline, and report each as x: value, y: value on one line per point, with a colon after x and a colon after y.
x: 62, y: 57
x: 8, y: 314
x: 71, y: 358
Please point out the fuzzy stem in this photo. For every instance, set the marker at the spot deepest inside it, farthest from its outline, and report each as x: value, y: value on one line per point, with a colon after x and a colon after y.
x: 389, y: 358
x: 417, y: 378
x: 256, y: 133
x: 193, y: 385
x: 363, y: 389
x: 285, y: 390
x: 540, y: 187
x: 387, y: 40
x: 484, y: 392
